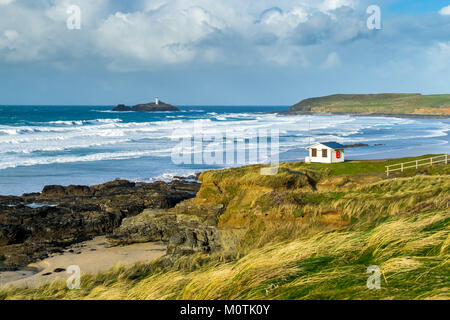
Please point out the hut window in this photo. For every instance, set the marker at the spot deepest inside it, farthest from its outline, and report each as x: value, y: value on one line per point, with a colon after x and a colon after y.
x: 314, y: 152
x: 324, y: 153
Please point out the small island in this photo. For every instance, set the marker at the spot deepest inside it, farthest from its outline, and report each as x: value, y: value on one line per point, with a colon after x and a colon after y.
x: 147, y: 107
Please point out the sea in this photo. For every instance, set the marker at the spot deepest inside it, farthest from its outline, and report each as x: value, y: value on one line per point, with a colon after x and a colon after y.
x: 87, y: 145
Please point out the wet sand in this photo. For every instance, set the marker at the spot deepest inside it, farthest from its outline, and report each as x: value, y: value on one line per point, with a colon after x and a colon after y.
x: 91, y: 256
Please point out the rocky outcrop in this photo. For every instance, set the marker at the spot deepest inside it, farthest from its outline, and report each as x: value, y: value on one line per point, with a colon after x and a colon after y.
x: 356, y: 145
x: 34, y: 225
x: 122, y: 108
x: 147, y: 107
x: 185, y: 234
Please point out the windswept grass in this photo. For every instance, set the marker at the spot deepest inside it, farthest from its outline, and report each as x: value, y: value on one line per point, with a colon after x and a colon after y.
x: 300, y: 241
x: 412, y: 255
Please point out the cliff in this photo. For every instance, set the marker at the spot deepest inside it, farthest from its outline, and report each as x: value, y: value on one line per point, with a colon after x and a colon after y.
x: 400, y: 104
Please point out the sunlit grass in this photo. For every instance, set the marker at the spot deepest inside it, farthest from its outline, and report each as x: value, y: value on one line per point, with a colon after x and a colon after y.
x: 298, y: 243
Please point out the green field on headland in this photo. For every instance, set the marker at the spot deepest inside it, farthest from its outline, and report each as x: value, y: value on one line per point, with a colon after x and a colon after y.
x: 382, y: 104
x: 308, y: 232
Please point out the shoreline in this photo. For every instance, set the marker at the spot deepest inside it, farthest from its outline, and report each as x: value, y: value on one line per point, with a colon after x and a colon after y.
x: 136, y: 242
x: 387, y: 115
x: 35, y: 226
x: 91, y: 256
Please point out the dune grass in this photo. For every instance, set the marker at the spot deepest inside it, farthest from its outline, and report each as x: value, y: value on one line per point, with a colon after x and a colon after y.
x: 299, y: 242
x: 412, y: 252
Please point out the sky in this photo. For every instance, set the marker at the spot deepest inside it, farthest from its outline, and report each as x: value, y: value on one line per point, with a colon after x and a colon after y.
x: 216, y: 52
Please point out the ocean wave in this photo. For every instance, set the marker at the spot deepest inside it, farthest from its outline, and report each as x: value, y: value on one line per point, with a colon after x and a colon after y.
x: 110, y: 111
x: 114, y: 137
x: 15, y: 162
x: 168, y: 176
x: 82, y: 122
x: 66, y: 123
x: 194, y: 110
x: 30, y: 148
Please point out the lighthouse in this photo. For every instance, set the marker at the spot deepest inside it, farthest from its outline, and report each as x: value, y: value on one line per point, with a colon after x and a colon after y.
x: 157, y: 101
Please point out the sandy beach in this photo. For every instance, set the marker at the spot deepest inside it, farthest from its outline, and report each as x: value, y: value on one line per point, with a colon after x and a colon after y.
x: 91, y: 256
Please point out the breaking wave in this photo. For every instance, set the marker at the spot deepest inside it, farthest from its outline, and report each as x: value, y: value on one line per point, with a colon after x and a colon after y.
x: 72, y: 141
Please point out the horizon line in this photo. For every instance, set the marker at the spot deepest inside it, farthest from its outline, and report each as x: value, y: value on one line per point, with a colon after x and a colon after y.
x: 177, y: 105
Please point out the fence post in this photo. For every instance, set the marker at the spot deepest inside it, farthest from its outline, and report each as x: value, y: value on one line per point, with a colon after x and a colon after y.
x: 431, y: 161
x: 446, y: 159
x: 417, y: 164
x: 402, y: 167
x: 387, y: 171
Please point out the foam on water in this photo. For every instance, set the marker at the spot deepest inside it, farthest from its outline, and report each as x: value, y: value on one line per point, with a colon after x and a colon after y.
x: 50, y: 137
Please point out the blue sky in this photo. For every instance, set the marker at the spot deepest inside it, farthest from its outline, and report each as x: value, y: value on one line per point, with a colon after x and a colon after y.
x: 413, y: 6
x: 211, y: 52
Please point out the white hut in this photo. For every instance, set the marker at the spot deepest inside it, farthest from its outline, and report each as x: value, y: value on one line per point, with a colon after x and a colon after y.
x: 326, y: 152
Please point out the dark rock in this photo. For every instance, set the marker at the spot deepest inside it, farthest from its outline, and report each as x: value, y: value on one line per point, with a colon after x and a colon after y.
x: 356, y: 145
x: 185, y: 234
x: 153, y: 107
x: 31, y: 195
x: 59, y: 270
x: 50, y: 192
x: 28, y: 234
x: 12, y: 234
x: 122, y: 108
x: 147, y: 107
x: 53, y: 192
x: 78, y: 191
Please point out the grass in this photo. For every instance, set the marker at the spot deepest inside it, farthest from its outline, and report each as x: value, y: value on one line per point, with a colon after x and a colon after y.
x: 377, y: 103
x: 300, y: 240
x: 364, y: 167
x: 328, y: 265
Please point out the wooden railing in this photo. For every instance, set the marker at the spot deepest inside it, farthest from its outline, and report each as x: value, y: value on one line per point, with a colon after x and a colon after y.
x: 444, y: 159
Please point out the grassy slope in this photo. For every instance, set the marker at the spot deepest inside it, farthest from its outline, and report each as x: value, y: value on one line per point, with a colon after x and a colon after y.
x: 310, y: 233
x: 377, y: 103
x: 361, y: 167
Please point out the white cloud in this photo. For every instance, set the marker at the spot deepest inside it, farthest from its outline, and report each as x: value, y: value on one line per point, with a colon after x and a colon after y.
x: 445, y: 11
x: 91, y: 11
x: 6, y: 2
x: 178, y: 31
x: 438, y: 57
x: 333, y: 60
x: 42, y: 30
x: 199, y: 30
x: 329, y: 5
x: 160, y: 37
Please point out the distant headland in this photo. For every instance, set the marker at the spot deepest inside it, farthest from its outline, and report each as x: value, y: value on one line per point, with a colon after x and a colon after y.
x: 147, y: 107
x: 387, y: 104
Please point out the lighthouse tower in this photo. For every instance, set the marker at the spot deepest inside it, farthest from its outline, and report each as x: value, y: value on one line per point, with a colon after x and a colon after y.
x: 157, y: 101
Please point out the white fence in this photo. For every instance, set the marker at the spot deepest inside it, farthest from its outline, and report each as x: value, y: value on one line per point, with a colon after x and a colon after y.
x: 418, y: 163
